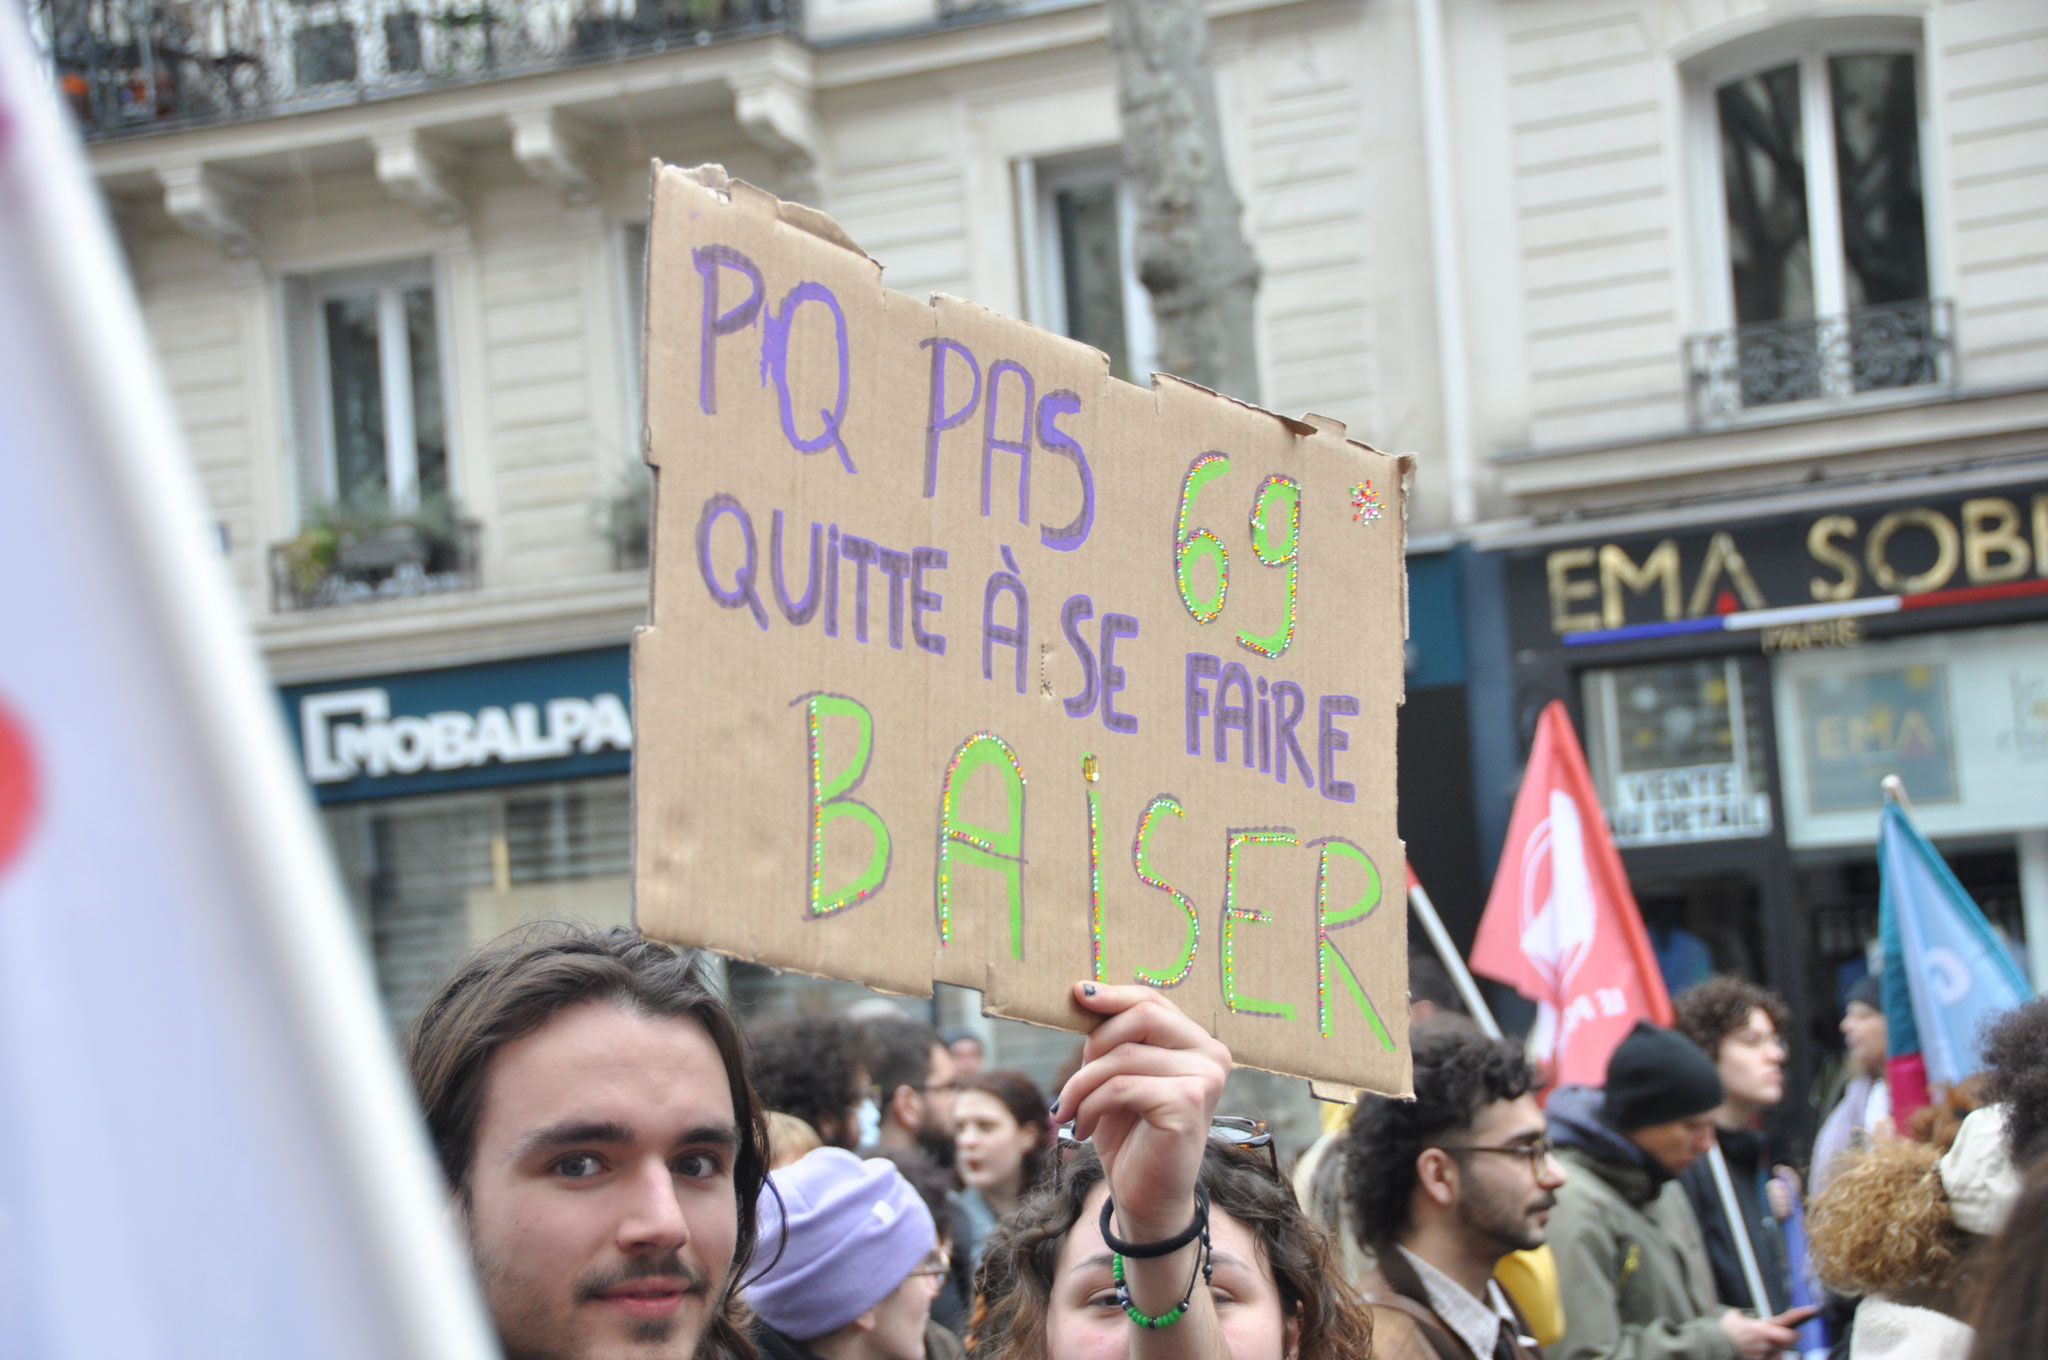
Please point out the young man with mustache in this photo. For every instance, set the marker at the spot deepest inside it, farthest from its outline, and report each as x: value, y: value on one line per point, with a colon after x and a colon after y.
x: 603, y: 1150
x: 1442, y: 1187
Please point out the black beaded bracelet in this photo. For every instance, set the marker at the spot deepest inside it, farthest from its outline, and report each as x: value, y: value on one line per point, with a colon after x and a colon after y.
x: 1142, y: 1251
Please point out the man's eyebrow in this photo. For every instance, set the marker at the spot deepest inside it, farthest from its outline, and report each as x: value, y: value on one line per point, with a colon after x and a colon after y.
x: 571, y: 1132
x: 722, y: 1135
x: 725, y: 1136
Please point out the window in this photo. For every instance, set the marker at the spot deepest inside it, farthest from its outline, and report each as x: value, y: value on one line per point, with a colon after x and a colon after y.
x: 1081, y: 272
x: 1675, y: 751
x: 371, y: 416
x: 1819, y: 229
x: 431, y: 877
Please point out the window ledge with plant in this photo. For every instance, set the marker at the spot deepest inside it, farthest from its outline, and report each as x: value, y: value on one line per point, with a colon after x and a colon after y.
x: 367, y: 549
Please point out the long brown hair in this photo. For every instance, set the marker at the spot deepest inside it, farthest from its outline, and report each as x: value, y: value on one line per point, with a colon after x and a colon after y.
x: 509, y: 989
x: 1014, y: 1287
x: 2012, y: 1289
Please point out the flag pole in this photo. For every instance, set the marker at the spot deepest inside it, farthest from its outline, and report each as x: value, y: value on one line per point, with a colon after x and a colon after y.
x: 1738, y: 1225
x: 1895, y: 790
x: 1440, y: 939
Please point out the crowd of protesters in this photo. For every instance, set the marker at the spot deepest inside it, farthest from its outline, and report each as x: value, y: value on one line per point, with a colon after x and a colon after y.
x: 639, y: 1176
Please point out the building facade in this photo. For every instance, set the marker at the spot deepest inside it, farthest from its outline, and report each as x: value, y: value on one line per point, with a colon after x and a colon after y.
x: 1693, y: 310
x: 1769, y: 449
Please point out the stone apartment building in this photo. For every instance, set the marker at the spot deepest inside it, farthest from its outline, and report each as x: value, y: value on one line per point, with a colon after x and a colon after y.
x: 1693, y: 310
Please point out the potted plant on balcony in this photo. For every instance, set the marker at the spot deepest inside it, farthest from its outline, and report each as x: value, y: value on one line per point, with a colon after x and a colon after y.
x: 366, y: 538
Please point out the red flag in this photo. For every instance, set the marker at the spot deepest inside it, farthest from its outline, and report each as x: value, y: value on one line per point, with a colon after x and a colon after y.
x: 1561, y: 926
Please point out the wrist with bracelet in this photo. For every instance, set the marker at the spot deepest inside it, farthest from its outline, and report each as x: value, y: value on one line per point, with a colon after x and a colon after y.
x: 1196, y: 1231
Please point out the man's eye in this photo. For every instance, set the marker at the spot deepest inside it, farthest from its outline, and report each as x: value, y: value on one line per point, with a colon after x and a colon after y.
x: 698, y: 1165
x: 577, y: 1166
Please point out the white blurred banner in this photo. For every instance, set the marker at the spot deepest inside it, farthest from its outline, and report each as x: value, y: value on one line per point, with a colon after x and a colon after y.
x: 207, y: 1145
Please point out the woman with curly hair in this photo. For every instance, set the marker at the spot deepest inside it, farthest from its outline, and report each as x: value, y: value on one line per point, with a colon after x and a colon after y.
x: 1883, y: 1230
x: 2016, y: 1076
x: 1159, y: 1242
x: 1901, y: 1224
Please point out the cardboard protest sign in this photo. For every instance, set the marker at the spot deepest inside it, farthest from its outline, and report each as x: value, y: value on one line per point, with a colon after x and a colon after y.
x: 971, y: 663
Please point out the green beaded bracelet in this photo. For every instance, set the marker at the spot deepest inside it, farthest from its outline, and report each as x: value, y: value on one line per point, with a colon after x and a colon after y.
x: 1171, y: 1315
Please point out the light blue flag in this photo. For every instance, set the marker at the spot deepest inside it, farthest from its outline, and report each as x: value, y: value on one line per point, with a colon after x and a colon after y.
x: 1956, y: 971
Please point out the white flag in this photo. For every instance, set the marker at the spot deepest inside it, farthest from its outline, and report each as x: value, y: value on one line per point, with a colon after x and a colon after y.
x: 206, y: 1149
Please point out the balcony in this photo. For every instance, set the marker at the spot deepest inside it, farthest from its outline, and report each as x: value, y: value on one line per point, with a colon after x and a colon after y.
x: 326, y: 565
x: 1900, y: 349
x: 162, y: 64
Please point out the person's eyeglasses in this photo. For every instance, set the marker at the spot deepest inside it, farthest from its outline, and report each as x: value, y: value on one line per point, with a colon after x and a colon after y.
x: 1235, y: 1130
x: 1249, y: 1134
x: 936, y: 1266
x: 1535, y: 1152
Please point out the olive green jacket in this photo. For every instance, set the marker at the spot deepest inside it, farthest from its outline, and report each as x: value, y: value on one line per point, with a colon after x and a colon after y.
x: 1632, y: 1270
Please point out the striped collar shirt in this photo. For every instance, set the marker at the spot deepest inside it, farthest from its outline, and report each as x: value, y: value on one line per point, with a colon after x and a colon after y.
x: 1476, y: 1322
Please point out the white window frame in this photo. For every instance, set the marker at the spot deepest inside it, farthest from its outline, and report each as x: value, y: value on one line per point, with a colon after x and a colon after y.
x: 1808, y: 46
x: 389, y: 282
x: 632, y: 244
x: 1045, y: 294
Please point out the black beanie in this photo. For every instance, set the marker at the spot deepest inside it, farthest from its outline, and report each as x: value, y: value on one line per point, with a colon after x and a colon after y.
x: 1869, y: 990
x: 1657, y: 1076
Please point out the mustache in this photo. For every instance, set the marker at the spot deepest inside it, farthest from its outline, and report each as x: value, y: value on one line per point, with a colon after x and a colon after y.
x: 643, y: 1268
x: 1547, y: 1203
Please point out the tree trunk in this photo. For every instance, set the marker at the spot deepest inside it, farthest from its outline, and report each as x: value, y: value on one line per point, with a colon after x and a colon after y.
x: 1192, y: 256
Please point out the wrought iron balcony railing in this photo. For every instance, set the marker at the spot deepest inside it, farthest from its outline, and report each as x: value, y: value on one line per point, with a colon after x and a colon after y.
x: 129, y: 66
x: 396, y: 562
x: 1826, y: 359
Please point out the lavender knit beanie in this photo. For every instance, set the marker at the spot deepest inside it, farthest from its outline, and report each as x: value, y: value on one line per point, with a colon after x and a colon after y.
x: 849, y: 1232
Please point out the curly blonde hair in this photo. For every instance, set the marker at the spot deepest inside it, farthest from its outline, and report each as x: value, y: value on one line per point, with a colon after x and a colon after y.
x: 1937, y: 1124
x: 1884, y: 1226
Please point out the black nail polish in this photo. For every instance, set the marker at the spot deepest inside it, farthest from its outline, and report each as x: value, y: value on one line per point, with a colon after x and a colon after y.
x: 1087, y: 989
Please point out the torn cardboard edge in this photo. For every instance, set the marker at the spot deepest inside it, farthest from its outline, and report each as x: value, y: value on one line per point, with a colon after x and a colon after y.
x: 714, y: 178
x: 778, y: 216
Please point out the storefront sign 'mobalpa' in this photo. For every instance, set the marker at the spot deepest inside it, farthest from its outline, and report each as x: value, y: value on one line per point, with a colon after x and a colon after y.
x: 348, y: 733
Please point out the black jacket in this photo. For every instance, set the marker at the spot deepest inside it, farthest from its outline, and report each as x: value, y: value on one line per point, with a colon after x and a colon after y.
x: 774, y: 1345
x: 1749, y: 1168
x: 939, y: 1344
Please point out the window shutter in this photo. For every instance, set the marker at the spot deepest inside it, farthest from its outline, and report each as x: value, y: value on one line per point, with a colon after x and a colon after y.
x: 305, y: 398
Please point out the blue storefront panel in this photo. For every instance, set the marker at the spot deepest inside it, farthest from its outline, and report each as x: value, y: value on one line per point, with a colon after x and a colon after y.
x: 565, y: 716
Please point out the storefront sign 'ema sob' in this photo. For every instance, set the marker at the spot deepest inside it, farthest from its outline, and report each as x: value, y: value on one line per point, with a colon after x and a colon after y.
x: 465, y: 727
x: 970, y: 663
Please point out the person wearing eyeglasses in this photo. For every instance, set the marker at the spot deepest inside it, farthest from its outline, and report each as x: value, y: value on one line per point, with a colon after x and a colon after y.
x: 914, y: 1084
x: 1442, y: 1187
x: 1171, y: 1236
x: 1631, y: 1270
x: 850, y: 1262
